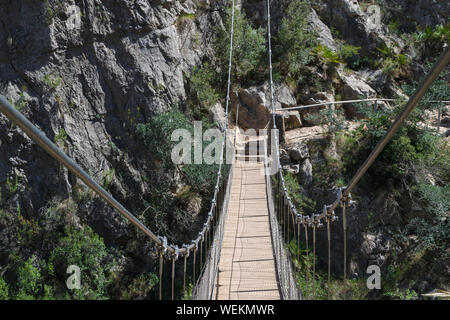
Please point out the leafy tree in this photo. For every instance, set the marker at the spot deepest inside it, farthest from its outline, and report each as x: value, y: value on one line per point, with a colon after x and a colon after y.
x: 157, y: 136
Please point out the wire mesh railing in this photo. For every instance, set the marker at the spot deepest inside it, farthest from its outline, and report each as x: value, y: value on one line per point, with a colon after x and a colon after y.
x: 284, y: 264
x: 206, y: 284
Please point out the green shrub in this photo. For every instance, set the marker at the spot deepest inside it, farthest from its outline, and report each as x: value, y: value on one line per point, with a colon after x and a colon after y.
x: 20, y: 104
x: 52, y: 81
x: 433, y: 230
x: 157, y: 134
x: 431, y: 40
x: 141, y: 286
x: 293, y: 42
x: 249, y: 49
x: 325, y: 55
x: 350, y: 54
x: 4, y: 289
x: 29, y: 281
x: 85, y: 249
x: 61, y: 137
x: 394, y: 64
x: 301, y: 202
x: 201, y: 82
x: 108, y: 178
x: 13, y: 186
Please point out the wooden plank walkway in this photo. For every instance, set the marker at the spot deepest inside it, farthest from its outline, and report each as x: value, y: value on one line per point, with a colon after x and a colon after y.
x: 247, y: 265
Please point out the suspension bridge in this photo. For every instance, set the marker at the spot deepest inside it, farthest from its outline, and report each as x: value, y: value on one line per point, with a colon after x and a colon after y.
x: 241, y: 251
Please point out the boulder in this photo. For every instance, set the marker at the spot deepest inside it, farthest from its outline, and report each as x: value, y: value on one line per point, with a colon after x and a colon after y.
x: 318, y: 97
x: 354, y: 88
x: 283, y: 96
x: 298, y: 151
x: 323, y: 32
x: 291, y: 120
x: 284, y: 157
x: 255, y: 105
x: 292, y: 168
x: 305, y: 174
x: 217, y: 115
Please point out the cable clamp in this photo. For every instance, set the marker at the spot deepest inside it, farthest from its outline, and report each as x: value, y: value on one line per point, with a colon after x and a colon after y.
x: 195, y: 242
x: 327, y: 213
x: 176, y: 252
x: 163, y: 246
x: 344, y: 200
x: 187, y: 252
x: 316, y: 220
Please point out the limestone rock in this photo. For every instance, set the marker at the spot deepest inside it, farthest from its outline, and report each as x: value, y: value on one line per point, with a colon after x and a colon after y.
x: 298, y: 151
x: 305, y: 175
x: 354, y: 88
x: 217, y: 115
x: 323, y: 32
x: 291, y: 119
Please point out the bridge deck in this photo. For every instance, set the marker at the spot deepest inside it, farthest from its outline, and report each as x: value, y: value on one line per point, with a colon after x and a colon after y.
x: 247, y: 265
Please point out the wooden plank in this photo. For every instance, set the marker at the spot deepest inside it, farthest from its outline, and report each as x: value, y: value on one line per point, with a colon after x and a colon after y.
x: 247, y: 265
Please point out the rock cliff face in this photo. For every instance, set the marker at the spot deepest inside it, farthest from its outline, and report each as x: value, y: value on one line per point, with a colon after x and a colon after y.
x: 85, y: 72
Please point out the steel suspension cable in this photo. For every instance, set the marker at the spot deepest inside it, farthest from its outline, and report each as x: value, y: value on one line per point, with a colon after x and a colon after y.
x: 307, y: 253
x: 161, y: 261
x: 329, y: 256
x: 173, y: 277
x: 184, y: 273
x: 298, y: 245
x: 329, y: 103
x: 314, y: 260
x: 344, y: 226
